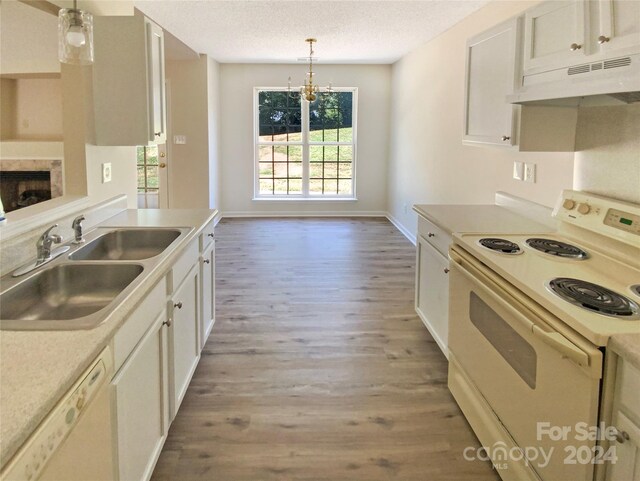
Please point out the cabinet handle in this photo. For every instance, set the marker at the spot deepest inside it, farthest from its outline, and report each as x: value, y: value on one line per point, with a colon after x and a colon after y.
x: 206, y: 261
x: 574, y: 47
x: 210, y: 235
x: 158, y: 134
x: 446, y: 270
x: 167, y: 322
x: 622, y: 436
x: 602, y: 39
x: 431, y: 234
x: 505, y: 138
x: 178, y: 305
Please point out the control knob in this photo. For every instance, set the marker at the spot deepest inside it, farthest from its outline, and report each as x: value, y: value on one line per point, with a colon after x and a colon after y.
x: 584, y: 209
x: 569, y: 204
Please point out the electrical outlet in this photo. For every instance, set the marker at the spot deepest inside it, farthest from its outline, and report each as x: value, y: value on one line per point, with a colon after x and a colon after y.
x: 518, y: 170
x: 530, y: 172
x: 106, y: 172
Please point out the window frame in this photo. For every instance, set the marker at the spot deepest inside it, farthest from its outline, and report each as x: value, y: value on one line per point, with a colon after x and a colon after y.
x: 305, y: 143
x: 145, y: 165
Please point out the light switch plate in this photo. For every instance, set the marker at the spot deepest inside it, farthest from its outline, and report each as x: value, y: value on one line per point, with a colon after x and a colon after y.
x: 179, y: 139
x: 530, y: 172
x: 518, y: 170
x: 106, y: 172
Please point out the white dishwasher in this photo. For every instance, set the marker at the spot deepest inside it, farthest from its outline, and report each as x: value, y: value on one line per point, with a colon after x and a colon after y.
x: 74, y: 442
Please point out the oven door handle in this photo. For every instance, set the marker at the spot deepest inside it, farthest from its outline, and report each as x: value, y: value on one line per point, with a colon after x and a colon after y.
x: 551, y: 338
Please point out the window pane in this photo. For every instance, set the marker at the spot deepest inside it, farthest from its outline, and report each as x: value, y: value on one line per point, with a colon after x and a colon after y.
x: 140, y: 155
x: 264, y: 153
x: 152, y: 177
x: 315, y: 170
x: 280, y: 153
x: 330, y: 187
x: 140, y: 177
x: 315, y: 187
x: 330, y: 170
x: 345, y: 170
x: 345, y: 187
x: 265, y: 169
x: 266, y: 186
x: 280, y: 186
x: 279, y: 115
x: 280, y: 170
x: 295, y: 153
x: 295, y: 186
x: 295, y: 170
x: 345, y: 152
x: 316, y: 153
x: 152, y: 155
x: 331, y: 152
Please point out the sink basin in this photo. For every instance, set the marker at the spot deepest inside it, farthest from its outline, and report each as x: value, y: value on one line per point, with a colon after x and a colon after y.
x: 127, y: 244
x: 64, y: 292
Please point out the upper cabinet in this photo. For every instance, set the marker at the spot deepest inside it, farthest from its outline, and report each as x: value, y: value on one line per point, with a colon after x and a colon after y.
x: 129, y: 81
x: 491, y: 63
x: 554, y: 35
x: 619, y: 25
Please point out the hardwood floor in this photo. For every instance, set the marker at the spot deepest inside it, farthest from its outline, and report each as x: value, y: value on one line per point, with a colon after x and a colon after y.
x: 318, y: 367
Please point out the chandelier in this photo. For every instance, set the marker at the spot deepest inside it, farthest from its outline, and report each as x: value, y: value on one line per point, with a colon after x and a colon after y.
x: 308, y: 90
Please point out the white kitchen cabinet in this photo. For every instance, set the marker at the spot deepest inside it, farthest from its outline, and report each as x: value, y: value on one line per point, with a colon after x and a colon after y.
x: 491, y: 73
x: 626, y: 419
x: 141, y: 399
x: 207, y: 294
x: 128, y: 81
x: 184, y: 334
x: 619, y: 26
x: 432, y: 281
x: 555, y: 35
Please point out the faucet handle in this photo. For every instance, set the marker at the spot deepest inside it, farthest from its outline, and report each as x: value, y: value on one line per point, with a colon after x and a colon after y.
x: 46, y: 234
x: 76, y: 225
x: 77, y: 221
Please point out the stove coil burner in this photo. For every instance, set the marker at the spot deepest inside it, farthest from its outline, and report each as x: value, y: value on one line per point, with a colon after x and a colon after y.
x: 635, y: 289
x: 594, y: 298
x: 500, y: 245
x: 556, y: 248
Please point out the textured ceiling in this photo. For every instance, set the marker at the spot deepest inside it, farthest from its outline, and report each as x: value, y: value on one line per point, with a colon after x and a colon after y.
x: 273, y: 31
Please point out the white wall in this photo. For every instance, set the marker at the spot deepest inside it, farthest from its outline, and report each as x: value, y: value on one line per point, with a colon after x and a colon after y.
x: 213, y: 87
x: 237, y: 150
x: 427, y: 162
x: 608, y: 152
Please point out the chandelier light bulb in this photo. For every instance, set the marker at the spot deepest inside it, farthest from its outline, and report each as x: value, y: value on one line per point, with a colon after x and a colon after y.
x: 75, y: 36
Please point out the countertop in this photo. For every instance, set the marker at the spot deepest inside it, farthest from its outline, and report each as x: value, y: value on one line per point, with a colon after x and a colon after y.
x: 489, y: 218
x: 38, y: 367
x: 627, y: 346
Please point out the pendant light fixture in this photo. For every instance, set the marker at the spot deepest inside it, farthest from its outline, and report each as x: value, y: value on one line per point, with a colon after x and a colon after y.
x: 75, y: 36
x: 308, y: 90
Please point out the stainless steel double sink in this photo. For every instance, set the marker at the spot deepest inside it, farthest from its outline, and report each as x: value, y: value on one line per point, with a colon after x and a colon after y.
x: 76, y: 290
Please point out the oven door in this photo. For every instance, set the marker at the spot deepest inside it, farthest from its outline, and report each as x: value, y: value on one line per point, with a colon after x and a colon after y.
x: 531, y: 375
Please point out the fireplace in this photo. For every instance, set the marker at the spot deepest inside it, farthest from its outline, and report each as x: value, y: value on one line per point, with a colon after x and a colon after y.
x: 28, y: 182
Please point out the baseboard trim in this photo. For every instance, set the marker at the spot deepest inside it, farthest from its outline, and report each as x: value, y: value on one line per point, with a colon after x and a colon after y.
x: 401, y: 228
x: 305, y: 214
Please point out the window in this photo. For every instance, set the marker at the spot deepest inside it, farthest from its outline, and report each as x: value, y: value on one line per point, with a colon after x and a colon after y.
x: 148, y: 169
x: 305, y: 150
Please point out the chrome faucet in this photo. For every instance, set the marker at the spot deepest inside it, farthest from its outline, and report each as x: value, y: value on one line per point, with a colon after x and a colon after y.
x: 44, y: 244
x: 76, y: 225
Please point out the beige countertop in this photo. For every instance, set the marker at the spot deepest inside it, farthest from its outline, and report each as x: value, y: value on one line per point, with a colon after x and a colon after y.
x: 627, y: 346
x: 38, y: 367
x: 492, y: 219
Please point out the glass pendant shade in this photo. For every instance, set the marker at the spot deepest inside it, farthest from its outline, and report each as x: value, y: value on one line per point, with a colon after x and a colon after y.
x: 75, y: 37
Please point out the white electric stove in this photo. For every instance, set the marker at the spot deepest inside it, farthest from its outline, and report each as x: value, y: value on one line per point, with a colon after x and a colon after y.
x: 530, y: 316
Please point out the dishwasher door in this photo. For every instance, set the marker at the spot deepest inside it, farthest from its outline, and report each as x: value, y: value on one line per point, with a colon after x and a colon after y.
x: 75, y: 441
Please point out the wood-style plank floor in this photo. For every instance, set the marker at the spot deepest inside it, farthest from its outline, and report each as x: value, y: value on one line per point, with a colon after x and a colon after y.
x: 318, y: 367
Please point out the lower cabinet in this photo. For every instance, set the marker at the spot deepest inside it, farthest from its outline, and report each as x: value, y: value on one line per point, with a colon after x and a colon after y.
x: 432, y: 291
x: 141, y: 400
x: 184, y: 335
x: 208, y: 283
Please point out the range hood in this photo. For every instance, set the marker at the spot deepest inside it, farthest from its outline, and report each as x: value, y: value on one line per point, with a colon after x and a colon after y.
x: 614, y: 81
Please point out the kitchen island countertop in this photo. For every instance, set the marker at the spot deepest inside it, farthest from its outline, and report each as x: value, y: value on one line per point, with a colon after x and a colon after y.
x: 626, y: 346
x: 38, y: 367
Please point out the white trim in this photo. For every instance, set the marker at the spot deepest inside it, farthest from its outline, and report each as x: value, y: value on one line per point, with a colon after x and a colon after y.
x: 292, y: 198
x: 403, y: 230
x: 331, y: 213
x: 217, y: 218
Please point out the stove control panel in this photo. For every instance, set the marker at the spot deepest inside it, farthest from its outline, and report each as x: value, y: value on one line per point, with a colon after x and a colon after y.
x: 605, y: 216
x: 623, y: 220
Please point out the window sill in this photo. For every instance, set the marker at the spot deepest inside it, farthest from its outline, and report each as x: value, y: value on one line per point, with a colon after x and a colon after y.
x: 305, y: 199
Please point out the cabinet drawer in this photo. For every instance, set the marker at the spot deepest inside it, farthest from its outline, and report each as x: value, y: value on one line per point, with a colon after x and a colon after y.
x: 184, y: 264
x: 434, y: 235
x: 207, y: 236
x: 138, y: 323
x: 629, y: 381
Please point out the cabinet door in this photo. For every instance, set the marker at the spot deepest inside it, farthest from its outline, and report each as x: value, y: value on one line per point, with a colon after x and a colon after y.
x: 492, y: 58
x: 554, y: 35
x: 432, y: 291
x: 141, y: 398
x: 619, y: 26
x: 627, y: 465
x: 185, y: 325
x: 157, y: 94
x: 208, y: 276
